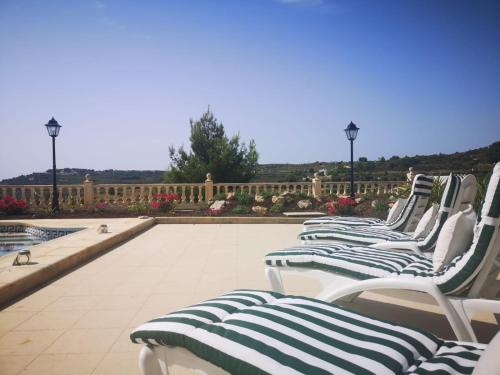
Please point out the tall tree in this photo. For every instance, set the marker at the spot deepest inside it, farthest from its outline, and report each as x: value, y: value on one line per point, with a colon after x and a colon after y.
x: 212, y: 152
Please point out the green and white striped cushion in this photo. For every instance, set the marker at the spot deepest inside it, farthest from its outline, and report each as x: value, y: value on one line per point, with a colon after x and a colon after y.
x: 256, y: 332
x: 376, y: 234
x: 411, y: 212
x: 351, y: 221
x: 360, y: 235
x: 353, y: 261
x: 451, y: 358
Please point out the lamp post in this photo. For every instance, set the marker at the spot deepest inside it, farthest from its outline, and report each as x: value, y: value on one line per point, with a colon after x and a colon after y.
x: 351, y: 132
x: 53, y: 128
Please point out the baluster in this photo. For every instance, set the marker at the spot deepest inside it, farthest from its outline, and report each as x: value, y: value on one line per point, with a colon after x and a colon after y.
x: 191, y: 195
x: 183, y: 194
x: 69, y: 190
x: 141, y: 194
x: 106, y: 194
x: 200, y: 193
x: 28, y: 199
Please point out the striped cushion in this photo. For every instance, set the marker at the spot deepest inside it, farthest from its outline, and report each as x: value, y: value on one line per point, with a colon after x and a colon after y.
x: 451, y: 358
x: 352, y: 261
x: 406, y: 220
x: 361, y: 235
x: 351, y: 221
x: 255, y: 332
x: 371, y: 235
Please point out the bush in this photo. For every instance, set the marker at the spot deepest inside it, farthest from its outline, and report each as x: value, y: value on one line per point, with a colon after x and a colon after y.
x: 243, y: 198
x: 267, y: 194
x: 240, y: 210
x: 12, y: 206
x: 138, y: 207
x: 302, y: 195
x: 165, y: 202
x: 276, y: 208
x: 345, y: 206
x: 380, y: 206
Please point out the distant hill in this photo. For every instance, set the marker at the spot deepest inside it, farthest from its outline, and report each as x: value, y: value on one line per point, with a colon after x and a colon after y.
x: 77, y: 175
x: 478, y: 161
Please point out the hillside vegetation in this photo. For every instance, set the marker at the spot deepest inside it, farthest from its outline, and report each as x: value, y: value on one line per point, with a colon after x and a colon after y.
x: 479, y: 161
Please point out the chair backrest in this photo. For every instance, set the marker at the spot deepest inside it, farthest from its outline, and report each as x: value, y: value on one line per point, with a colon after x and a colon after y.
x: 458, y: 194
x: 473, y: 270
x: 415, y: 205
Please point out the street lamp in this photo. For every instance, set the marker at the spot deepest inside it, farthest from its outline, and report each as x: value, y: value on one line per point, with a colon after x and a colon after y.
x: 53, y: 128
x: 351, y: 132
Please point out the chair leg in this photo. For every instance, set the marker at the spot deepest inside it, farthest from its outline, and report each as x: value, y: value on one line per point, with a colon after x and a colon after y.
x: 148, y: 362
x: 274, y: 276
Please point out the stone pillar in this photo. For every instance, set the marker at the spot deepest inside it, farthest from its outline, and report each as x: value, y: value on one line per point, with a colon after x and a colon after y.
x: 209, y: 188
x: 88, y: 192
x: 316, y: 186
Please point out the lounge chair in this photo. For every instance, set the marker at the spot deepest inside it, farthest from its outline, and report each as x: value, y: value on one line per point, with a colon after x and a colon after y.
x: 257, y: 332
x: 458, y: 194
x: 404, y: 221
x: 347, y: 270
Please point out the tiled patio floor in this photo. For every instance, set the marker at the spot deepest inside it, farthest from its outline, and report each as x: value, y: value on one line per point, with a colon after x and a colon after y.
x: 80, y: 323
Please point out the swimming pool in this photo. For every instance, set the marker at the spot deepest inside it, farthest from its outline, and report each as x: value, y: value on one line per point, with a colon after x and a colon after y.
x: 15, y: 237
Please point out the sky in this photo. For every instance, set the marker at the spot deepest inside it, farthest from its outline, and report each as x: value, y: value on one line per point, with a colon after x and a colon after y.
x: 123, y: 78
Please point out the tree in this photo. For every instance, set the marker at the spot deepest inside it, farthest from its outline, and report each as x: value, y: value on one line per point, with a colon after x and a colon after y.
x: 212, y: 152
x: 363, y: 159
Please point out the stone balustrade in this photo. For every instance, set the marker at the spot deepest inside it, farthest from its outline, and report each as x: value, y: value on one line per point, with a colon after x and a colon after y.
x: 90, y: 194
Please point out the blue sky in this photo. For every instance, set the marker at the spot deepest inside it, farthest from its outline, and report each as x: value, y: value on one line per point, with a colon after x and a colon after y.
x: 124, y: 77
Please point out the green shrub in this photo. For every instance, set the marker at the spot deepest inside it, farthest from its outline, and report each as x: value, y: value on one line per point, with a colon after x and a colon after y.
x: 276, y: 208
x: 240, y: 210
x: 302, y: 195
x: 403, y: 191
x: 267, y: 194
x: 138, y: 207
x: 380, y: 206
x: 436, y: 192
x: 482, y: 185
x: 244, y: 198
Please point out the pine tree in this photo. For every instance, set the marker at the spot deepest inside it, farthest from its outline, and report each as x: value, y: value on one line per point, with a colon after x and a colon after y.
x: 212, y: 152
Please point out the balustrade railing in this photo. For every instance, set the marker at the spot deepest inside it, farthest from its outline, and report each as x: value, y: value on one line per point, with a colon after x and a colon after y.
x: 90, y: 194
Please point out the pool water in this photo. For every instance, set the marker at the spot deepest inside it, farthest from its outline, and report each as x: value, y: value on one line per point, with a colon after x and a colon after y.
x: 12, y: 242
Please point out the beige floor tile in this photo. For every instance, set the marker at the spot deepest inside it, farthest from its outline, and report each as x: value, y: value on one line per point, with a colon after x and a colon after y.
x: 46, y: 320
x: 11, y: 319
x: 27, y: 342
x: 124, y: 345
x: 106, y: 319
x: 13, y: 364
x: 67, y: 303
x: 118, y: 364
x: 84, y: 341
x: 127, y: 302
x: 34, y: 302
x: 63, y: 364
